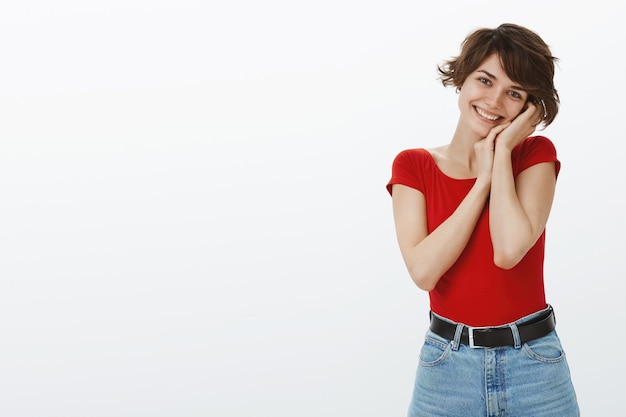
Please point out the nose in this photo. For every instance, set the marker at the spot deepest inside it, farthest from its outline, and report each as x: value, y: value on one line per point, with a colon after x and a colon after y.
x: 494, y: 98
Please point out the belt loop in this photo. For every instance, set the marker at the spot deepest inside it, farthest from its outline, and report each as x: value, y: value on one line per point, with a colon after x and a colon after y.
x: 457, y: 337
x: 516, y: 339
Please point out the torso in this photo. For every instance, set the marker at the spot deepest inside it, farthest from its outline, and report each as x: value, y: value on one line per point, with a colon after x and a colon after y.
x: 474, y: 291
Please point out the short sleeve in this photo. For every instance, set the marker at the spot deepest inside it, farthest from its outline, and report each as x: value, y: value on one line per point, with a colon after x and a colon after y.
x: 407, y: 169
x: 532, y: 151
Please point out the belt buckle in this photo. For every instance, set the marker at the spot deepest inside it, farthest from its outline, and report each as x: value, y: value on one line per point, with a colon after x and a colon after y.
x: 470, y: 334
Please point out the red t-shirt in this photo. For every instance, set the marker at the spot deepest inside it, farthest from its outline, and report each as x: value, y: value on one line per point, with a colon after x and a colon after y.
x: 474, y: 290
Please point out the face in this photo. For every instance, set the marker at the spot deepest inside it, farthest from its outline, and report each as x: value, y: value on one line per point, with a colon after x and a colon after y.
x: 488, y: 97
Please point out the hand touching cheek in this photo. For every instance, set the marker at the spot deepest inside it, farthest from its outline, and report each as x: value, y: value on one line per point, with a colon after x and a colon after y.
x: 520, y: 128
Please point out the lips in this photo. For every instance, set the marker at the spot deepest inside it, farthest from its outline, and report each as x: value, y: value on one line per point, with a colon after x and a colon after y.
x: 488, y: 116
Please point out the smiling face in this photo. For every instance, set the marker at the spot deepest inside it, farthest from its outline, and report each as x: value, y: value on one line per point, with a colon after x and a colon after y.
x: 488, y: 98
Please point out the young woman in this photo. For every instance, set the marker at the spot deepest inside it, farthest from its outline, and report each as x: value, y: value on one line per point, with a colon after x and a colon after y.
x: 470, y: 219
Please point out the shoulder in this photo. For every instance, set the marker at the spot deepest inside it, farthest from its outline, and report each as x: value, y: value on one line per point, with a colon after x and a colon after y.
x: 408, y: 168
x: 415, y: 157
x: 536, y: 143
x: 534, y: 150
x: 413, y: 153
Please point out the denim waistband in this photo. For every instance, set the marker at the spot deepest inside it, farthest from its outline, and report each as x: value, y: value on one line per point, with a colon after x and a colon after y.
x: 519, y: 321
x: 527, y: 328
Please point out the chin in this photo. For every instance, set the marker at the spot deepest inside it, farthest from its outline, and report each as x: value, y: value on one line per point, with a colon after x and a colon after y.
x: 481, y: 130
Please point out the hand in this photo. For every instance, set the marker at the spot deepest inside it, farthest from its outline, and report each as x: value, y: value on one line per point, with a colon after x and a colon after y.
x: 520, y: 128
x: 484, y: 150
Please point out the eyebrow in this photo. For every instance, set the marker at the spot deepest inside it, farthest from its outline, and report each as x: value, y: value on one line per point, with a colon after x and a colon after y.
x: 490, y: 75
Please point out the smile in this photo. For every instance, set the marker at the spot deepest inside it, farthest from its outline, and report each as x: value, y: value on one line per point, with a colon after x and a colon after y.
x: 486, y: 115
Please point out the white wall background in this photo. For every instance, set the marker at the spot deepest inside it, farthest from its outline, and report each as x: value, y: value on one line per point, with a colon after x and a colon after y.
x: 192, y: 206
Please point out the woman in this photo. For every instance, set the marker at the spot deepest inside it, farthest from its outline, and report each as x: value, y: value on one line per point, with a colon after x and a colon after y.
x: 470, y: 219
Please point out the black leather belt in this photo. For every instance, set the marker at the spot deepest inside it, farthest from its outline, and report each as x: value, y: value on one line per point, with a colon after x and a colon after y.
x: 495, y: 336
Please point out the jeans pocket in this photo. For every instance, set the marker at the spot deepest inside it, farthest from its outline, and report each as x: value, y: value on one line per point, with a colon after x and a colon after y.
x: 546, y: 349
x: 434, y: 351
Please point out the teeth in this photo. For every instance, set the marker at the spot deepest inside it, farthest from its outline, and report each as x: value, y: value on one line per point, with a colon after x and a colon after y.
x: 485, y: 115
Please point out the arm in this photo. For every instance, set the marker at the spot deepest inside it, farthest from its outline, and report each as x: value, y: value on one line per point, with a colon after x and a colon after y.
x: 518, y: 208
x: 428, y: 256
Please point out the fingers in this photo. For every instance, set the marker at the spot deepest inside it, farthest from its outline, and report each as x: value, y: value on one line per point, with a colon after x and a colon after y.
x: 496, y: 130
x: 534, y: 112
x: 488, y: 143
x: 542, y: 111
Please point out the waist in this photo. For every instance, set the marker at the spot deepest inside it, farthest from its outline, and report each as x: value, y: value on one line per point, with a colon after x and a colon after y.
x: 514, y: 334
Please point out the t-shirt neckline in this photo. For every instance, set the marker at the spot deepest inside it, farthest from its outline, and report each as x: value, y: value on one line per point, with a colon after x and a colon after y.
x: 432, y: 158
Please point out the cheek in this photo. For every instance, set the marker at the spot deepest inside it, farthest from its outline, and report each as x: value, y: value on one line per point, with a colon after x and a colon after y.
x: 516, y: 109
x: 464, y: 98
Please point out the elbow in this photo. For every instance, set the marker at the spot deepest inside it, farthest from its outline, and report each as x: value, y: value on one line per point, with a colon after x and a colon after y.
x: 425, y: 286
x: 424, y: 281
x: 506, y: 260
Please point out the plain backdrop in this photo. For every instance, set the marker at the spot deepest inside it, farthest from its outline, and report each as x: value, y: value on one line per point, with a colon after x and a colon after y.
x: 193, y: 218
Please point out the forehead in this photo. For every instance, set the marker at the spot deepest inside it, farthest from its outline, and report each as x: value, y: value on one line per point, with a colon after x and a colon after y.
x: 492, y: 67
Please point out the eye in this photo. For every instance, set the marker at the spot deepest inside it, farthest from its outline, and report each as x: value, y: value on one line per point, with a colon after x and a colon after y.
x: 515, y: 94
x: 484, y: 80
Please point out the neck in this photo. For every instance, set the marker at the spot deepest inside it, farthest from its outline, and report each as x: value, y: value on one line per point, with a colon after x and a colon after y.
x: 461, y: 147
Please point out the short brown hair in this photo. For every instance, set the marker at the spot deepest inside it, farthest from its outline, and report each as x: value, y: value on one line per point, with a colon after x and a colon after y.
x: 525, y: 57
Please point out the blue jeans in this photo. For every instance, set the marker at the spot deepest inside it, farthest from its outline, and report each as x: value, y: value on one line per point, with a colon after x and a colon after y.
x: 526, y: 380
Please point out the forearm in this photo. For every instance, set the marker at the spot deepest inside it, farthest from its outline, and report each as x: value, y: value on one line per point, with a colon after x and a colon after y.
x: 511, y: 229
x: 429, y: 259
